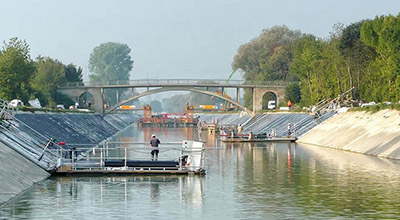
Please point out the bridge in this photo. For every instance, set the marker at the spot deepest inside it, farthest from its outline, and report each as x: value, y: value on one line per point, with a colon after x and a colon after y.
x: 76, y: 90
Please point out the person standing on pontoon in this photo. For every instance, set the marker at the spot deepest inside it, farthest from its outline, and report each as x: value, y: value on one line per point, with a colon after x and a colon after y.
x: 154, y: 142
x: 239, y: 129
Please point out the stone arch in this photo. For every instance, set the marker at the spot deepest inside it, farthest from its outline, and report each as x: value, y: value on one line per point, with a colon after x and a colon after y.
x: 269, y: 96
x: 258, y: 94
x: 86, y: 100
x: 166, y: 89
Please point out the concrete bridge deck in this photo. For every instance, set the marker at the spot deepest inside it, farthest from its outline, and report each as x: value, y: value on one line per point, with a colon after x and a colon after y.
x: 258, y: 89
x: 140, y: 83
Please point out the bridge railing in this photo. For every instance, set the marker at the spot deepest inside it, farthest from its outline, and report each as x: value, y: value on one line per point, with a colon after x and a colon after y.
x: 171, y: 82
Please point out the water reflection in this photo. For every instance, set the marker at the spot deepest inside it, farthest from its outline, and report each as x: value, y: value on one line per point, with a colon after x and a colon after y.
x: 243, y: 181
x: 69, y: 194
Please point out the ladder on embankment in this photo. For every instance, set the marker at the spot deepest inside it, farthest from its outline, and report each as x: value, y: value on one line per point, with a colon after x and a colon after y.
x: 27, y: 142
x: 7, y: 112
x: 325, y: 105
x: 322, y: 110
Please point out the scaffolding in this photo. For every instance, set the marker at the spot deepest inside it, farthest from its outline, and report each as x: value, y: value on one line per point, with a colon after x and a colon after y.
x: 147, y: 114
x: 7, y: 112
x: 189, y: 114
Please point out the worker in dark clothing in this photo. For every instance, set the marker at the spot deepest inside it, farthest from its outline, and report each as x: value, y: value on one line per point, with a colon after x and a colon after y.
x: 154, y: 142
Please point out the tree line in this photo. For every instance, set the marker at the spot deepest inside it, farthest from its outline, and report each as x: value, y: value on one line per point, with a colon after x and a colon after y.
x: 24, y: 78
x: 364, y: 55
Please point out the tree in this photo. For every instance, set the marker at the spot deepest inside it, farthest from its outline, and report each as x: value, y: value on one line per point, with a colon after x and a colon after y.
x: 49, y: 74
x: 72, y: 73
x: 382, y: 34
x: 306, y: 55
x: 175, y: 103
x: 357, y: 56
x: 266, y: 57
x: 16, y: 70
x: 110, y: 62
x: 156, y: 106
x: 293, y: 93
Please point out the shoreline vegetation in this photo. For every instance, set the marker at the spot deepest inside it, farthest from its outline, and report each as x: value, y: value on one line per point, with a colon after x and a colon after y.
x: 363, y: 55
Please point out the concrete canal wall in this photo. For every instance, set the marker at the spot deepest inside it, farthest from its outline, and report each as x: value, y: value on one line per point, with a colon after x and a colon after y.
x: 264, y: 123
x: 121, y: 121
x: 72, y: 128
x: 368, y: 133
x: 21, y: 144
x: 17, y: 173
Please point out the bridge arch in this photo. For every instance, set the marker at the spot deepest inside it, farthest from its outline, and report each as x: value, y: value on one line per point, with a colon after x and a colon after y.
x: 269, y: 96
x: 167, y: 89
x: 86, y: 99
x: 258, y: 95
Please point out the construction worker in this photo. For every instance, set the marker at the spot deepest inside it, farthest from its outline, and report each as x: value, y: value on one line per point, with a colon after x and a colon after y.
x: 251, y: 136
x: 239, y: 129
x: 289, y: 127
x: 289, y: 105
x: 154, y: 142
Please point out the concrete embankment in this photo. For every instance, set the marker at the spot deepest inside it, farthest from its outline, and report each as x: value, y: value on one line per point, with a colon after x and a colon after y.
x: 265, y: 123
x: 368, y: 133
x: 17, y: 173
x: 22, y: 143
x: 72, y: 128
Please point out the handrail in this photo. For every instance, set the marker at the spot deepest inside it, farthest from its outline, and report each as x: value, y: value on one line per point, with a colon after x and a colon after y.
x: 7, y: 112
x: 327, y: 102
x: 163, y: 82
x: 82, y: 157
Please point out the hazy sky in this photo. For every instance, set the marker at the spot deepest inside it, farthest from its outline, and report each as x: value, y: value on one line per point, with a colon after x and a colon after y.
x: 170, y: 38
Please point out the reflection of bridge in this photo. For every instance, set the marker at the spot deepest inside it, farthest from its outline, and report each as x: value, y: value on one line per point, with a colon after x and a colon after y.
x: 75, y: 90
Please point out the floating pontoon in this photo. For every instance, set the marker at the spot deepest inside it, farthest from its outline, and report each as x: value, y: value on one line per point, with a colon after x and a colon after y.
x: 246, y: 139
x: 120, y: 158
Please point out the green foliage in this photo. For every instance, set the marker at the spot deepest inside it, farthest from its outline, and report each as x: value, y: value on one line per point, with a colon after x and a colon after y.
x: 307, y: 54
x: 383, y: 35
x: 22, y: 78
x: 293, y: 93
x: 72, y: 73
x: 110, y: 62
x: 49, y: 74
x: 156, y: 106
x: 376, y: 108
x: 177, y: 103
x: 357, y: 57
x: 364, y: 55
x: 266, y: 57
x: 16, y: 69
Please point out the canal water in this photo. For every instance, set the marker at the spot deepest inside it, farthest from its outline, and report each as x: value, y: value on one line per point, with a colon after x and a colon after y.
x: 243, y: 181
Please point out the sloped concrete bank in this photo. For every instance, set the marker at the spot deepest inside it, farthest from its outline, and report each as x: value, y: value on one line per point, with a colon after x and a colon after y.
x: 375, y: 134
x: 17, y: 173
x: 21, y: 144
x: 265, y: 123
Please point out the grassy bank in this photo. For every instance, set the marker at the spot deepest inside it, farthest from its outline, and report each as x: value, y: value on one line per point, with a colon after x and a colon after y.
x: 375, y: 108
x: 33, y: 110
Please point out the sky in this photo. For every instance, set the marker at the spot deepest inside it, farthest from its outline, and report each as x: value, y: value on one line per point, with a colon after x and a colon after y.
x: 171, y: 39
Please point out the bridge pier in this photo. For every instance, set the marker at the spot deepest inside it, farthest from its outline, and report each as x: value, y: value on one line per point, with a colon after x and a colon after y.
x: 98, y: 96
x: 238, y: 95
x: 258, y: 94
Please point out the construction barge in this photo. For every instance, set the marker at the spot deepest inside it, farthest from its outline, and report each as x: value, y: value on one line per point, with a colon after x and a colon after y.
x: 121, y: 158
x: 186, y: 119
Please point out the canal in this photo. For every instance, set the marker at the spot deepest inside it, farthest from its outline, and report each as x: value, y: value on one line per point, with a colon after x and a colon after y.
x: 243, y: 181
